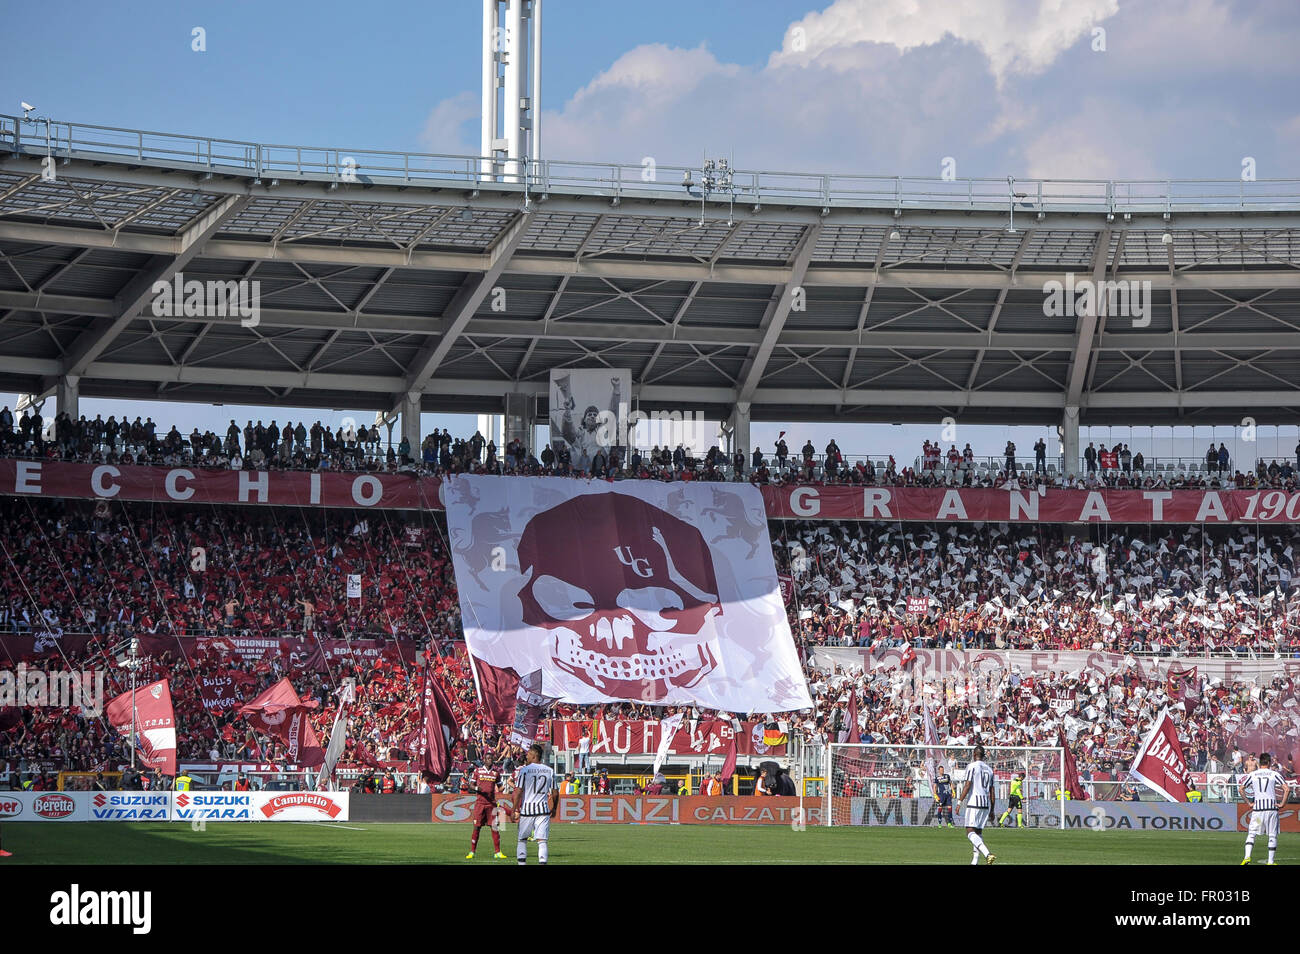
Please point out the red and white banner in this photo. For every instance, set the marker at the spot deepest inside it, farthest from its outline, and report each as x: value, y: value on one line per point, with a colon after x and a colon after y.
x: 1029, y: 506
x: 639, y: 591
x: 799, y: 502
x: 627, y: 737
x: 1062, y: 700
x: 1159, y: 762
x: 150, y: 721
x: 917, y: 605
x: 300, y: 806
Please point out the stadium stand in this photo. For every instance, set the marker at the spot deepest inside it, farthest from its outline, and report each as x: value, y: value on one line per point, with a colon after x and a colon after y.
x: 78, y: 583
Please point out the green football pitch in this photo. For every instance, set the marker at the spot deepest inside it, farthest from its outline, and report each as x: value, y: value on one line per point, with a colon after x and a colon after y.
x: 232, y: 843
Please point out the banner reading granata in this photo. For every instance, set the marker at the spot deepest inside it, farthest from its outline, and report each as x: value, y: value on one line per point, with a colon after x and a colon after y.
x: 637, y: 591
x: 404, y: 491
x: 635, y: 737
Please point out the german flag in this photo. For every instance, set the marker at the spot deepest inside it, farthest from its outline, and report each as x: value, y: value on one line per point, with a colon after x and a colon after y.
x: 772, y: 735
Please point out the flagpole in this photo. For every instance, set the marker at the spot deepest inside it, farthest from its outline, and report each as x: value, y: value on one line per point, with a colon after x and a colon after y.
x: 135, y: 645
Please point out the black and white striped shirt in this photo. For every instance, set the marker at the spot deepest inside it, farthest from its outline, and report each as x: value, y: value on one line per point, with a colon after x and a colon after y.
x: 980, y: 777
x: 534, y: 782
x: 1263, y: 786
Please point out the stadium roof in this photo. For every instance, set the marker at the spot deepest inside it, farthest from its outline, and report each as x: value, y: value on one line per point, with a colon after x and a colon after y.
x: 380, y: 287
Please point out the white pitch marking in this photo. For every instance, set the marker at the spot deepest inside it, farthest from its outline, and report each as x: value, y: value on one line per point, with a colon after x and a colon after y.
x: 329, y: 825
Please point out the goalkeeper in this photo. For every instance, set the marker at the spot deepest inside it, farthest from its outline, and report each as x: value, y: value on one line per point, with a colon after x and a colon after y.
x: 1015, y: 801
x: 943, y: 792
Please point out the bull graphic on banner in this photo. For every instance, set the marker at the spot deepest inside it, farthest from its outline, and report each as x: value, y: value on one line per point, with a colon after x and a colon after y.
x: 621, y: 593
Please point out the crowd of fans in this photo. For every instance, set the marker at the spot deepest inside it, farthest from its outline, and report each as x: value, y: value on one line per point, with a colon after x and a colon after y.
x: 130, y: 569
x: 1103, y: 717
x: 115, y: 570
x: 295, y: 445
x: 1151, y: 589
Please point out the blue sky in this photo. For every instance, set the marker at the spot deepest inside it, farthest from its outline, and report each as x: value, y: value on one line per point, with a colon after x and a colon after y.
x: 1052, y: 88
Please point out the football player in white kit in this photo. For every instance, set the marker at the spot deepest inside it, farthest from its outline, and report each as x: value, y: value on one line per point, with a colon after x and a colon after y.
x: 537, y: 802
x: 1266, y: 790
x: 977, y: 793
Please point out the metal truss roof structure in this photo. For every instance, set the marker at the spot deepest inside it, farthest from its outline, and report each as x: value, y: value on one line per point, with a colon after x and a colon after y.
x: 387, y: 277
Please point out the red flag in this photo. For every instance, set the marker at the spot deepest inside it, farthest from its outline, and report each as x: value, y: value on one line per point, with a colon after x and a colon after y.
x: 909, y: 656
x: 729, y: 763
x: 155, y: 724
x: 851, y: 734
x: 1179, y: 682
x: 438, y: 729
x: 1071, y: 769
x: 1159, y: 761
x: 786, y: 582
x: 496, y: 689
x: 279, y: 712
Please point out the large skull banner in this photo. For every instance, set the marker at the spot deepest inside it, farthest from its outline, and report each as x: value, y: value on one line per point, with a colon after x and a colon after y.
x: 639, y: 591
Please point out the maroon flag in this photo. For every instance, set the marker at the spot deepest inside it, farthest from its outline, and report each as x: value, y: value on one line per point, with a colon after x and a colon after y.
x: 787, y: 586
x: 497, y: 689
x: 1159, y: 761
x: 851, y: 734
x: 220, y: 691
x: 1179, y: 681
x: 729, y: 764
x: 154, y: 729
x: 279, y: 712
x: 437, y: 730
x: 909, y: 656
x: 1071, y: 769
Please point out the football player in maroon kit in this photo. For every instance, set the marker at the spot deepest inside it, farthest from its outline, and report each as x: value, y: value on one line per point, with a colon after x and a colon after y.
x: 483, y: 782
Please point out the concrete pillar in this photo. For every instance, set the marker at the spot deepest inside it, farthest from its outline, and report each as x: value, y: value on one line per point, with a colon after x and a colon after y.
x: 67, y: 396
x: 740, y: 432
x: 410, y: 412
x: 1070, y: 453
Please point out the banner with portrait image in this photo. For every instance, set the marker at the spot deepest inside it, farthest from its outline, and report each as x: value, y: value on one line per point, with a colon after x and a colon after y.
x: 589, y: 411
x: 639, y: 591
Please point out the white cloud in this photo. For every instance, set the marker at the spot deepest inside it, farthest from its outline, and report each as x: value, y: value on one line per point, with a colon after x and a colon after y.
x: 1017, y: 36
x: 444, y: 129
x: 1003, y: 86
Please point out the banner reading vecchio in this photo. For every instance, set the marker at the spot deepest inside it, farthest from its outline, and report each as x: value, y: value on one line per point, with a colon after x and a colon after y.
x: 799, y: 502
x: 638, y: 591
x: 627, y: 737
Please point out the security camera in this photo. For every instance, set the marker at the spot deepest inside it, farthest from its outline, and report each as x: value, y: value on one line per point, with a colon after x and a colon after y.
x: 27, y: 110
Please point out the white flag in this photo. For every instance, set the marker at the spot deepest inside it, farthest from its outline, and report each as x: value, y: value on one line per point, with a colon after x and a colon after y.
x: 667, y: 729
x: 354, y: 586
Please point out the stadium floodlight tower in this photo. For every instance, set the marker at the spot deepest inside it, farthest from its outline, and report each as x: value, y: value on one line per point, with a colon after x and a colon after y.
x: 512, y: 88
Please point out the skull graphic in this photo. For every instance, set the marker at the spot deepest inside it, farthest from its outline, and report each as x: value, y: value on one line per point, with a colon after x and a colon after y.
x: 627, y: 591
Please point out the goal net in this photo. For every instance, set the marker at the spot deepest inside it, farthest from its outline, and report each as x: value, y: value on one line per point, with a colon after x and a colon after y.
x: 895, y: 784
